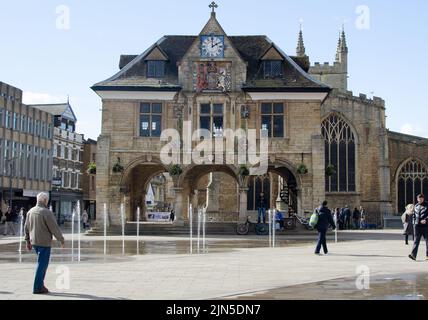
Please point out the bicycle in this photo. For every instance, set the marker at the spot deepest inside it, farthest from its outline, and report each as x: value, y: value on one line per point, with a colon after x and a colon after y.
x: 260, y: 229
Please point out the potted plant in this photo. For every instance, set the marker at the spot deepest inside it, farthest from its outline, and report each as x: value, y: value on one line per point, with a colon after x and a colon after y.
x: 175, y: 170
x: 243, y: 171
x: 92, y: 168
x: 302, y: 169
x: 330, y: 170
x: 118, y: 168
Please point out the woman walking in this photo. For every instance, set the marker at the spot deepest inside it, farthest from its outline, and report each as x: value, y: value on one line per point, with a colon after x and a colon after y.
x: 407, y: 219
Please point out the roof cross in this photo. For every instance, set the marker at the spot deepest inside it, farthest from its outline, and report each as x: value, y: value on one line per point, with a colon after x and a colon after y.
x: 213, y: 6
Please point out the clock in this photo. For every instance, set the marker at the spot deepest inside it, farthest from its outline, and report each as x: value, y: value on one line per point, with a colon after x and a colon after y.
x: 212, y: 46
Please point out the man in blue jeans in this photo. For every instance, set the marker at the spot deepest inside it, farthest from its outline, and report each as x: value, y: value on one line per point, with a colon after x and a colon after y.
x: 325, y: 220
x: 40, y: 226
x: 261, y: 208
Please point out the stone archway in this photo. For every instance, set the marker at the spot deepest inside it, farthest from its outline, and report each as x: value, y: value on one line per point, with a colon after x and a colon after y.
x: 209, y: 182
x: 134, y: 184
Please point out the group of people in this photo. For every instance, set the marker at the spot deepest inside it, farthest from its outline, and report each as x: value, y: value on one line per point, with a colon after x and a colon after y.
x: 10, y: 219
x: 348, y: 220
x: 415, y: 222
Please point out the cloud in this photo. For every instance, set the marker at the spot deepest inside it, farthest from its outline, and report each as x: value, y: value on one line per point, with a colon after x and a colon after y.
x: 414, y: 130
x: 42, y: 98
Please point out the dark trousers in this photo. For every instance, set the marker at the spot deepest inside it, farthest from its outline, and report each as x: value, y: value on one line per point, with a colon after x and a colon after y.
x: 261, y: 215
x: 322, y: 241
x: 419, y: 233
x: 407, y: 238
x: 43, y: 256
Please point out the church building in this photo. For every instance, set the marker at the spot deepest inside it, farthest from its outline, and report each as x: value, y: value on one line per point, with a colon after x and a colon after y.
x: 324, y: 142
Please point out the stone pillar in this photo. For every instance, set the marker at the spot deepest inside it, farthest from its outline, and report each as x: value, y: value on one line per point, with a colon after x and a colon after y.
x: 213, y: 193
x: 178, y: 207
x: 280, y: 205
x: 243, y: 204
x: 318, y: 172
x: 143, y: 208
x: 385, y: 178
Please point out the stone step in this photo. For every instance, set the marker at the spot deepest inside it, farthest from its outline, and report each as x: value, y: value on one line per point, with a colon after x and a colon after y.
x: 213, y: 229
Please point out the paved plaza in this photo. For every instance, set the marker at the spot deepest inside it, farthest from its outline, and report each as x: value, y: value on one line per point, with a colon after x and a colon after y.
x: 231, y: 272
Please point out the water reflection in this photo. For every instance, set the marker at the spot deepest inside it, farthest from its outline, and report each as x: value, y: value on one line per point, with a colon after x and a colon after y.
x: 401, y: 287
x: 94, y: 250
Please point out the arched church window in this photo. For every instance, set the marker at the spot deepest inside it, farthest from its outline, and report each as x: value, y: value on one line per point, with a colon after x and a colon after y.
x: 340, y: 151
x: 412, y: 180
x: 258, y: 185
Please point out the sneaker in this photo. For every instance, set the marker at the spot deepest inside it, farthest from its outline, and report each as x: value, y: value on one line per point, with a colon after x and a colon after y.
x: 317, y: 253
x: 412, y: 257
x: 44, y: 290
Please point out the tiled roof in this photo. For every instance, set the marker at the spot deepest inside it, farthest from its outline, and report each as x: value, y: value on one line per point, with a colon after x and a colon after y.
x: 251, y: 49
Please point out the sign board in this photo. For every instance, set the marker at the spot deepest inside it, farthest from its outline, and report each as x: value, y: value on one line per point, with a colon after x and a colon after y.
x: 158, y: 216
x: 57, y: 182
x: 30, y: 193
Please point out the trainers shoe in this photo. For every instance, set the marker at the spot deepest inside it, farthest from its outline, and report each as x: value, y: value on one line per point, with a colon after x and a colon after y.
x: 44, y: 290
x: 412, y: 257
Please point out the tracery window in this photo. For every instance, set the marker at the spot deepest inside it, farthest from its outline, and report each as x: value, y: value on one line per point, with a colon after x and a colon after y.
x: 340, y: 151
x: 412, y: 180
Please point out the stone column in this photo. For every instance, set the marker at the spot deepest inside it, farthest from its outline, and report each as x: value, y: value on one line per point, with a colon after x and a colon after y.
x: 143, y: 207
x: 280, y: 205
x: 213, y: 193
x: 178, y: 207
x: 243, y: 204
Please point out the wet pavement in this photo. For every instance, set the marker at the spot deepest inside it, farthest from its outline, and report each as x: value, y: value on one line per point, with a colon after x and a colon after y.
x: 93, y: 250
x: 399, y: 287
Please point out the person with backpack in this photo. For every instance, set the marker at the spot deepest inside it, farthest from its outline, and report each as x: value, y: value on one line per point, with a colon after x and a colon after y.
x: 322, y: 219
x: 420, y: 221
x: 407, y: 219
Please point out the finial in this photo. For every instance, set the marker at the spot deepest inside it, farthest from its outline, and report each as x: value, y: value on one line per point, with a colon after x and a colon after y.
x: 301, y: 50
x: 213, y: 6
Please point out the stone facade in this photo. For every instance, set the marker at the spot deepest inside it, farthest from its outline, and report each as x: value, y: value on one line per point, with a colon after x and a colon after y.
x: 89, y: 178
x: 254, y: 72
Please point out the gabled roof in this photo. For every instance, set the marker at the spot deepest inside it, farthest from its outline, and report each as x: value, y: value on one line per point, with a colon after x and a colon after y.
x: 61, y: 109
x: 251, y: 48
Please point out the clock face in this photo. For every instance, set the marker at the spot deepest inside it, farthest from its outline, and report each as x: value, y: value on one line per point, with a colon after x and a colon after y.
x: 212, y: 46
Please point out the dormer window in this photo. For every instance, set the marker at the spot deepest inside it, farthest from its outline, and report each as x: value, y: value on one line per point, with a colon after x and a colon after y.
x: 272, y: 69
x: 155, y: 69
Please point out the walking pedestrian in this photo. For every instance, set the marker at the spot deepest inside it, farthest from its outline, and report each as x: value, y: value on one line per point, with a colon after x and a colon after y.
x: 356, y: 216
x: 325, y: 220
x: 85, y: 219
x: 347, y: 215
x: 10, y: 223
x: 261, y: 208
x: 39, y: 229
x: 363, y: 218
x: 407, y: 219
x: 420, y: 220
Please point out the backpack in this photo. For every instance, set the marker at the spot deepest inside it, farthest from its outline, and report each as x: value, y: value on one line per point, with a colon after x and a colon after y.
x: 314, y: 219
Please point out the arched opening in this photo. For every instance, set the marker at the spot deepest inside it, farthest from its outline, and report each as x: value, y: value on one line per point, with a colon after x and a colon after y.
x: 147, y: 186
x: 412, y: 179
x: 340, y: 154
x: 280, y: 188
x: 214, y: 188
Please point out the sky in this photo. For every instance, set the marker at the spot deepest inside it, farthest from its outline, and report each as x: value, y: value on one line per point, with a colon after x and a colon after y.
x: 54, y: 49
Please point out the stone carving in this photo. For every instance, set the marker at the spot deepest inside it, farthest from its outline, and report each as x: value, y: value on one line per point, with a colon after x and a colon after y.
x: 212, y: 76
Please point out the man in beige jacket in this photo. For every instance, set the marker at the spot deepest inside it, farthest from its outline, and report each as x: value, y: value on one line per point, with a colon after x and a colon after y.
x: 39, y: 228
